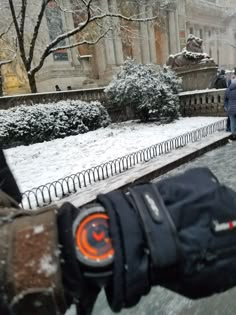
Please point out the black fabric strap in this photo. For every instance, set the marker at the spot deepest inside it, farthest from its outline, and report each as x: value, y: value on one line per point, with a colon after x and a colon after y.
x: 144, y: 239
x: 116, y: 287
x: 157, y: 224
x: 131, y: 264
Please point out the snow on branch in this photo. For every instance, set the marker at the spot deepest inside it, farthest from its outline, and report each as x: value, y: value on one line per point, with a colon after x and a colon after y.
x: 7, y: 30
x: 50, y: 47
x: 5, y: 62
x: 82, y: 42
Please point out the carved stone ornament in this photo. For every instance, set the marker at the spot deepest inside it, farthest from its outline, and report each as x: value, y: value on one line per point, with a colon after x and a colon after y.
x: 192, y: 54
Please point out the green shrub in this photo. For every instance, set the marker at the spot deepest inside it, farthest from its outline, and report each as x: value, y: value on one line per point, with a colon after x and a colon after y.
x: 151, y: 91
x: 26, y: 125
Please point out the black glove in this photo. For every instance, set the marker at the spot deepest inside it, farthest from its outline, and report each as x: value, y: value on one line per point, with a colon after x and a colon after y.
x: 78, y: 290
x: 7, y: 181
x: 178, y: 233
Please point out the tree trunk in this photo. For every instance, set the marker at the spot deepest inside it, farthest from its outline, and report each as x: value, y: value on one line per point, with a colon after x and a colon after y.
x: 1, y: 82
x: 1, y: 85
x: 32, y: 83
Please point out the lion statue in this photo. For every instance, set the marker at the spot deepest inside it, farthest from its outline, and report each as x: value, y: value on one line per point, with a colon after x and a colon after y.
x: 192, y: 54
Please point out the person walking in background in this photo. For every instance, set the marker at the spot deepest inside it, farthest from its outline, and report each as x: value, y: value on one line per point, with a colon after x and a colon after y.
x: 220, y: 82
x: 57, y: 88
x: 229, y: 81
x: 230, y: 105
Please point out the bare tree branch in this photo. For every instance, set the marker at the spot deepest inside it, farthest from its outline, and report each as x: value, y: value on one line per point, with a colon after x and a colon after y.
x: 44, y: 4
x: 7, y: 30
x: 18, y: 33
x: 81, y: 42
x: 22, y: 20
x: 231, y: 45
x: 88, y: 12
x: 5, y: 62
x: 78, y: 29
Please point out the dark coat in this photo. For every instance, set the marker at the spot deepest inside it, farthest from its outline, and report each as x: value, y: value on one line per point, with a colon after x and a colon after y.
x: 7, y: 181
x: 220, y: 82
x: 230, y: 99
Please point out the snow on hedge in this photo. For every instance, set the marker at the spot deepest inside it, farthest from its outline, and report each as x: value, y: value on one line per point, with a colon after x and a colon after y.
x: 26, y: 125
x: 151, y: 91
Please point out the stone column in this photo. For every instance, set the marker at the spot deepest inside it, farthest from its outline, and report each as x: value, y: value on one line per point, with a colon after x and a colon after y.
x: 69, y: 24
x: 145, y: 51
x: 136, y: 47
x: 173, y: 31
x: 151, y: 37
x: 117, y: 39
x: 109, y: 44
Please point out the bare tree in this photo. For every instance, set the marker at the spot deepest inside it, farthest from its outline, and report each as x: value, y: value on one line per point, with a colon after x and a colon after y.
x: 5, y: 51
x: 88, y: 15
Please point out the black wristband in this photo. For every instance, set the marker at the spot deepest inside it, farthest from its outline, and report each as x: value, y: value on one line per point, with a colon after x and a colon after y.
x: 135, y: 239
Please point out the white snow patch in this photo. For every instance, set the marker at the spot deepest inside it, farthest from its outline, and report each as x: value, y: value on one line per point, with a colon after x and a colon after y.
x: 40, y: 163
x: 38, y: 229
x: 47, y: 266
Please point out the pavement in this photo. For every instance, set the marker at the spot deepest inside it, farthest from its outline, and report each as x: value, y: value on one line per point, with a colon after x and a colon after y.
x: 221, y: 161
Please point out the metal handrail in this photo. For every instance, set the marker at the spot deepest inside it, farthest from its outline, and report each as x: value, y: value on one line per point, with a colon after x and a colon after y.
x: 63, y: 187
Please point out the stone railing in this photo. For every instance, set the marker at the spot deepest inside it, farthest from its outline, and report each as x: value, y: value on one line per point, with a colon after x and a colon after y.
x: 50, y: 97
x: 202, y: 102
x: 195, y: 103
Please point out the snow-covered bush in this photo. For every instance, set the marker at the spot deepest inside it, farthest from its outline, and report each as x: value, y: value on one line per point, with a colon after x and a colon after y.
x: 149, y: 90
x: 25, y: 125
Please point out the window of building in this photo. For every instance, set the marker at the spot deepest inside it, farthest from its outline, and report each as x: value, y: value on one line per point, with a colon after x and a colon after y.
x: 209, y: 33
x: 201, y: 33
x: 191, y: 30
x: 55, y: 27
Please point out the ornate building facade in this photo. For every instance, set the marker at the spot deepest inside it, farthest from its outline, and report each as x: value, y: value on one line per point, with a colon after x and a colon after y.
x: 151, y: 42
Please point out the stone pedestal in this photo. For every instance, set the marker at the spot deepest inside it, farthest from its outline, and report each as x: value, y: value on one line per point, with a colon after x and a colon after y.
x: 197, y: 77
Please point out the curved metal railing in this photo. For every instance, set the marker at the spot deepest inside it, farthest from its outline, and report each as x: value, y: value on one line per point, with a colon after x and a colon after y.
x: 45, y: 194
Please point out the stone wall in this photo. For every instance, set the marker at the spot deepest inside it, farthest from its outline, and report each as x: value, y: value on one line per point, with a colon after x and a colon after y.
x: 194, y: 103
x: 95, y: 94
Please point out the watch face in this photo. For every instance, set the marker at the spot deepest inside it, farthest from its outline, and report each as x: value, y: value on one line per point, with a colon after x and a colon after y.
x: 92, y: 238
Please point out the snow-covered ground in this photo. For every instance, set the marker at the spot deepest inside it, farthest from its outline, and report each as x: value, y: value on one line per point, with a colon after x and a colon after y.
x: 41, y: 163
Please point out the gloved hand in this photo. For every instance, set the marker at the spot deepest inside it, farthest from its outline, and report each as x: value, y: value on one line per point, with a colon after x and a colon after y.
x: 7, y: 181
x: 178, y: 233
x: 78, y: 289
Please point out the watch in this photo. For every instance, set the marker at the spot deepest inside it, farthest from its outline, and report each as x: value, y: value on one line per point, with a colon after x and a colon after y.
x: 93, y: 244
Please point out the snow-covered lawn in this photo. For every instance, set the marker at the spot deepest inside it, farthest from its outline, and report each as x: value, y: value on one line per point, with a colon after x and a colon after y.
x: 41, y: 163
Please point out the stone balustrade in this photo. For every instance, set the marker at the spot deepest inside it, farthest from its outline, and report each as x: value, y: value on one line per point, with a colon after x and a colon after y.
x: 193, y: 103
x: 202, y: 102
x: 52, y: 97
